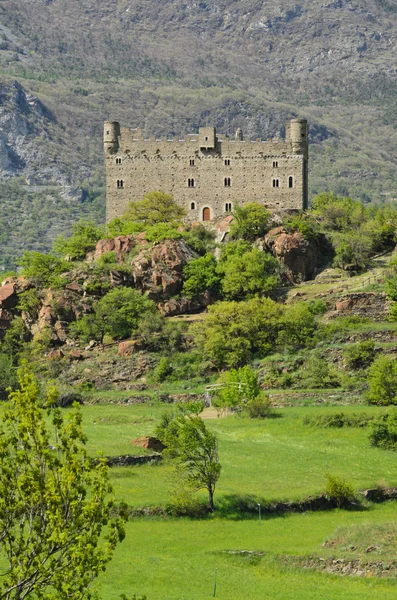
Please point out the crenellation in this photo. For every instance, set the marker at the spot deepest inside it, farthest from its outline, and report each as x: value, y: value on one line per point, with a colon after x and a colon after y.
x: 207, y: 178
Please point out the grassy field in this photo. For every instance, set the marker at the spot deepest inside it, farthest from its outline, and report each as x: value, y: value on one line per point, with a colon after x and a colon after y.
x: 177, y: 559
x: 273, y: 459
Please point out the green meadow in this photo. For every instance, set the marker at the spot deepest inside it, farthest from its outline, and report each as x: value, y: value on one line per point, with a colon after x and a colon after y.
x: 273, y: 459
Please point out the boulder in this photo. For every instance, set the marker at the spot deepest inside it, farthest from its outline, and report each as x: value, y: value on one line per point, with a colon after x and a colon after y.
x: 158, y: 271
x: 150, y: 443
x: 8, y: 296
x: 130, y: 347
x: 121, y: 245
x: 298, y: 255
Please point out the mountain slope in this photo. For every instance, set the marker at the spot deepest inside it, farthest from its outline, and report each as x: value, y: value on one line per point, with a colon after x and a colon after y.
x: 172, y: 66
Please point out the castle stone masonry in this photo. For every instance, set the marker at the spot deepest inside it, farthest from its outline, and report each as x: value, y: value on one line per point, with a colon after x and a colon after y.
x: 207, y: 173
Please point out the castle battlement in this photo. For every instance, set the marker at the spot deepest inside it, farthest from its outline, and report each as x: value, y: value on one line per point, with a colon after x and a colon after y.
x: 205, y: 172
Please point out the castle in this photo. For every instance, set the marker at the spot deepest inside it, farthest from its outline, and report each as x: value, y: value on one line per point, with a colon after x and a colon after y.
x: 206, y: 173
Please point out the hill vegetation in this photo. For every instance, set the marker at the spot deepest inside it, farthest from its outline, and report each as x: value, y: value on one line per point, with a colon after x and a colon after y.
x: 67, y: 66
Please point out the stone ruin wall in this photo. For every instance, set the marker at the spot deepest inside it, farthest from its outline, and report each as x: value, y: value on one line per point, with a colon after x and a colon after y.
x: 146, y: 165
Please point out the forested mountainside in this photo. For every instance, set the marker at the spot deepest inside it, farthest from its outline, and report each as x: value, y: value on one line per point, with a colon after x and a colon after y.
x: 68, y: 65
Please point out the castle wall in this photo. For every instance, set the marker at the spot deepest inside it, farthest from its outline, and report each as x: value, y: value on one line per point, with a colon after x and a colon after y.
x: 194, y: 171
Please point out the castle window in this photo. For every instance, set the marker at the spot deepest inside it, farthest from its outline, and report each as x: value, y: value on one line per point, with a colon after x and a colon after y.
x: 120, y: 183
x: 191, y: 162
x: 228, y: 207
x: 192, y: 205
x: 118, y: 161
x: 290, y: 182
x: 227, y: 182
x: 276, y: 183
x: 206, y: 139
x: 191, y: 183
x: 275, y: 164
x: 227, y: 162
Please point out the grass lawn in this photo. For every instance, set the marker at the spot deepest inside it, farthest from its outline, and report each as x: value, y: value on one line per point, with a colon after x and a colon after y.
x: 176, y: 559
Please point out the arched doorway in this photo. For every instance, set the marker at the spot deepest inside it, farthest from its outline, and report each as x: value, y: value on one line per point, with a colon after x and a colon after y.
x: 206, y: 214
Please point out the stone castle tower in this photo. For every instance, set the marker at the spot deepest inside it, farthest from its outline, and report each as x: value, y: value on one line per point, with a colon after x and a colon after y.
x: 207, y: 173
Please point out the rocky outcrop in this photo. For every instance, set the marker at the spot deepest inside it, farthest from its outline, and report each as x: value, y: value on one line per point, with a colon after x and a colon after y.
x: 158, y: 271
x: 121, y: 245
x: 299, y: 256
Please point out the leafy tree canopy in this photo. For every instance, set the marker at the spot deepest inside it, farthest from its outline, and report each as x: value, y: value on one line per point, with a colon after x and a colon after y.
x: 250, y: 221
x: 56, y: 533
x: 156, y: 207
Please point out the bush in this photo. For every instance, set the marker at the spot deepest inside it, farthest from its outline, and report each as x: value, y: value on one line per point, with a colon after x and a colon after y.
x: 259, y: 407
x: 85, y: 236
x: 250, y: 221
x: 201, y: 275
x: 156, y: 207
x: 339, y: 490
x: 384, y: 431
x: 360, y: 356
x: 240, y: 387
x: 163, y: 370
x: 43, y: 269
x: 382, y: 381
x: 318, y: 374
x: 339, y: 420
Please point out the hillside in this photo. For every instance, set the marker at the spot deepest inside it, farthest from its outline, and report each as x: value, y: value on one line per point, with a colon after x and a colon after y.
x: 169, y: 67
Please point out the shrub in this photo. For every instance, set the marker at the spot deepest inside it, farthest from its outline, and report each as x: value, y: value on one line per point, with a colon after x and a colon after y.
x: 248, y: 274
x: 85, y: 236
x: 339, y: 420
x: 259, y: 407
x: 201, y: 275
x: 240, y: 387
x: 163, y: 370
x: 382, y: 381
x: 43, y: 269
x: 360, y: 356
x: 250, y: 221
x: 338, y: 490
x: 384, y: 431
x: 318, y: 374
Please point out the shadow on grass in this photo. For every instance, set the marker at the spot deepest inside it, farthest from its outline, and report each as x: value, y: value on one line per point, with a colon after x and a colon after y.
x: 248, y: 506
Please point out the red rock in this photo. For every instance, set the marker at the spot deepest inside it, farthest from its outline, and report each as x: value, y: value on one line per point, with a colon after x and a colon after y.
x: 75, y: 355
x: 298, y: 255
x: 130, y: 347
x: 55, y: 354
x: 121, y: 245
x: 8, y: 296
x: 151, y: 443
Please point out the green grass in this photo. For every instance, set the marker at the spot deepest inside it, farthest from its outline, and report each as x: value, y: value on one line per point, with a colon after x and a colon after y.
x: 272, y: 459
x: 176, y: 559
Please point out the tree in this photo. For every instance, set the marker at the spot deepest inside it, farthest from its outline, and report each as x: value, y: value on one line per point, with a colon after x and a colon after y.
x: 117, y: 314
x: 250, y: 221
x: 43, y: 269
x: 254, y: 273
x: 55, y: 527
x: 194, y: 450
x: 240, y: 386
x: 201, y: 275
x: 382, y: 381
x: 156, y: 207
x: 85, y: 236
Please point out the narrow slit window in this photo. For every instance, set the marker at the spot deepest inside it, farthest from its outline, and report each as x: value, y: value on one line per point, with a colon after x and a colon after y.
x: 290, y: 181
x: 192, y: 205
x: 227, y: 182
x: 275, y: 164
x: 227, y: 162
x: 276, y: 183
x: 120, y: 183
x: 228, y: 207
x: 191, y: 183
x: 192, y: 162
x: 118, y: 161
